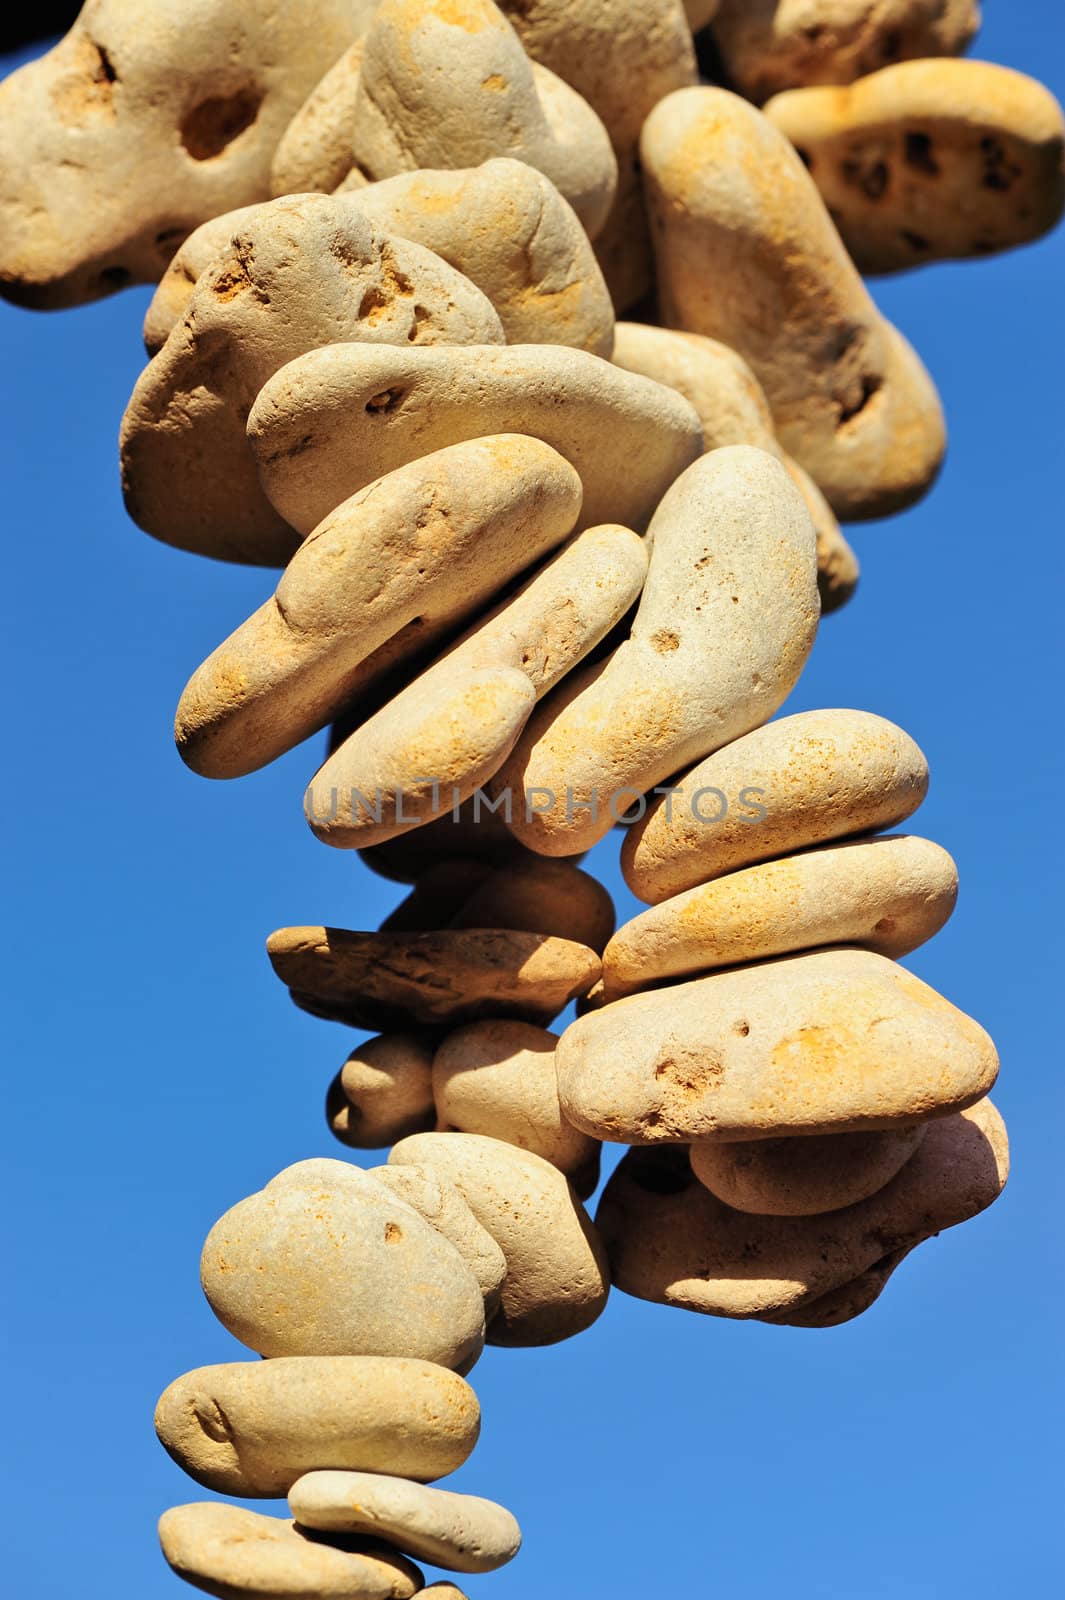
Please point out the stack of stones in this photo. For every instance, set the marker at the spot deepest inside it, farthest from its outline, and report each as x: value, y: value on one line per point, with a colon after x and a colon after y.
x: 538, y: 562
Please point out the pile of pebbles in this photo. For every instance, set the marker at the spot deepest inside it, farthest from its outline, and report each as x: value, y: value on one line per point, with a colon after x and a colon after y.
x: 531, y: 341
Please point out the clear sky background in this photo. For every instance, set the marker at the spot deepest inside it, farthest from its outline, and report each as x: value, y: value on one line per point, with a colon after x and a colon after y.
x: 158, y: 1072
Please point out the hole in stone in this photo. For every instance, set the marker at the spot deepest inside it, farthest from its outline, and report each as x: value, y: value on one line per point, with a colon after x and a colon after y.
x: 384, y: 400
x: 393, y: 1233
x: 917, y: 153
x: 212, y: 125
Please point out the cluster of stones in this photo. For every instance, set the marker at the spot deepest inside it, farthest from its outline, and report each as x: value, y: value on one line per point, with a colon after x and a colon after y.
x: 544, y: 569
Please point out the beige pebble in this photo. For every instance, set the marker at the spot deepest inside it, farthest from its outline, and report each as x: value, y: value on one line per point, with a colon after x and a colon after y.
x: 503, y: 225
x: 140, y: 125
x: 768, y: 45
x: 189, y: 262
x: 803, y: 1177
x: 700, y: 12
x: 803, y: 780
x: 440, y: 739
x: 727, y: 618
x: 835, y: 1041
x: 557, y: 1282
x: 931, y: 160
x: 532, y: 892
x: 460, y: 1532
x: 442, y: 1205
x: 732, y: 408
x: 498, y: 1078
x: 314, y: 152
x: 232, y: 1553
x: 342, y: 415
x: 670, y: 1240
x: 446, y: 83
x: 507, y: 229
x: 251, y: 1428
x: 887, y: 894
x: 841, y: 1305
x: 387, y: 573
x: 444, y: 1591
x: 300, y: 272
x: 388, y: 980
x: 326, y: 1261
x: 747, y: 254
x: 621, y: 58
x: 385, y: 1090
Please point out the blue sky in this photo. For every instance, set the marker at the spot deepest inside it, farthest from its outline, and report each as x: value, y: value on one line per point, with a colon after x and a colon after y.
x: 158, y: 1072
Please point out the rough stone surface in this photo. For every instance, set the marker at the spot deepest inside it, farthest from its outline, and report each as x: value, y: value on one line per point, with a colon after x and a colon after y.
x: 745, y: 249
x: 441, y: 738
x: 887, y: 894
x: 141, y: 124
x: 803, y: 1177
x: 383, y: 980
x: 233, y: 1553
x: 931, y: 160
x: 724, y: 626
x: 503, y: 225
x: 251, y: 1428
x: 768, y: 45
x: 837, y: 1041
x: 845, y: 1303
x: 326, y: 1261
x: 498, y: 1078
x: 670, y: 1240
x: 459, y: 1532
x: 409, y: 557
x: 557, y: 1281
x: 817, y: 776
x: 342, y: 415
x: 300, y: 272
x: 446, y: 83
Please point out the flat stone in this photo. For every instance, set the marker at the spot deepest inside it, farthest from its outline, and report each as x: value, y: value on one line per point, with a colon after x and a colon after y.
x: 802, y: 780
x: 459, y: 1532
x: 888, y: 894
x: 384, y: 980
x: 836, y: 1041
x: 557, y: 1282
x: 251, y: 1428
x: 233, y: 1553
x: 671, y: 1241
x: 326, y: 1261
x: 339, y: 417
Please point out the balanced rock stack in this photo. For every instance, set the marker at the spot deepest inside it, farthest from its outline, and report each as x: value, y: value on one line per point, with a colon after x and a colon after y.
x: 545, y: 570
x: 366, y: 1312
